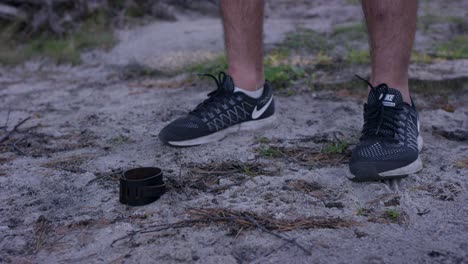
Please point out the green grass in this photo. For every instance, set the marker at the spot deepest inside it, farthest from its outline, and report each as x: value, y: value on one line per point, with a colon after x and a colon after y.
x: 355, y: 31
x: 215, y: 65
x: 392, y: 214
x: 263, y: 140
x: 353, y: 2
x: 445, y: 87
x: 94, y: 32
x: 426, y: 21
x: 455, y: 48
x: 363, y: 211
x: 335, y: 147
x: 269, y: 152
x: 304, y: 40
x: 421, y: 58
x: 357, y: 57
x: 280, y: 75
x: 135, y: 11
x: 323, y: 60
x: 250, y: 170
x: 118, y: 140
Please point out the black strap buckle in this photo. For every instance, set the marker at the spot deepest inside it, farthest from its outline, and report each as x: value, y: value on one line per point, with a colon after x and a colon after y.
x: 141, y: 186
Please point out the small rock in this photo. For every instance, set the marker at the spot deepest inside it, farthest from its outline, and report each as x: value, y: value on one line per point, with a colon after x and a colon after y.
x: 394, y: 201
x: 218, y: 259
x: 444, y: 167
x: 334, y: 205
x: 225, y: 182
x: 360, y: 234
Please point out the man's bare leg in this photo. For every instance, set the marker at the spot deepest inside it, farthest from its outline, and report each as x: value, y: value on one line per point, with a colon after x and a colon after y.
x: 243, y: 37
x: 249, y: 105
x: 391, y: 25
x: 390, y: 141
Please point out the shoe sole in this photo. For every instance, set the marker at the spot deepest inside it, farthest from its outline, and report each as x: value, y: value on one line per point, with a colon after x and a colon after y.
x: 217, y: 136
x: 368, y: 172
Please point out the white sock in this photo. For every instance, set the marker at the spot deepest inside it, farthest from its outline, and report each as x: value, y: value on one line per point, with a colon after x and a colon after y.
x: 254, y: 94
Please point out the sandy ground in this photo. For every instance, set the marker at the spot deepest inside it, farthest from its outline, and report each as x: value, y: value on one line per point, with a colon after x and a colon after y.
x: 59, y: 169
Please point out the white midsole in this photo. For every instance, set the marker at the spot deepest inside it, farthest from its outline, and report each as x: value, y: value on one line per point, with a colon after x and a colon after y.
x: 420, y: 143
x: 408, y: 169
x: 413, y: 167
x: 245, y: 126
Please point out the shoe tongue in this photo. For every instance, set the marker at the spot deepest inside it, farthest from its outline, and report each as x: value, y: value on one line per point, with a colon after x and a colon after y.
x: 389, y: 96
x: 228, y: 84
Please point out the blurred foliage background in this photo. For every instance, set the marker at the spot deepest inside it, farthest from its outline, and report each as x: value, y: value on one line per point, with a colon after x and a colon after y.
x: 60, y: 29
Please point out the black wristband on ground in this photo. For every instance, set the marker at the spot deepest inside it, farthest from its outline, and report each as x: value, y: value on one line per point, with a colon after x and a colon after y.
x: 141, y: 186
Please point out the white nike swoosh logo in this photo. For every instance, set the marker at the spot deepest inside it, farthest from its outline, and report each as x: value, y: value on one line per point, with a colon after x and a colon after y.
x: 257, y: 113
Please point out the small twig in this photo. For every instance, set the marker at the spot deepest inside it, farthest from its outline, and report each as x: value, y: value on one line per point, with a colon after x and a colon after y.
x: 162, y: 227
x: 222, y: 188
x: 14, y: 129
x: 264, y: 229
x: 181, y: 184
x: 271, y: 251
x: 7, y: 118
x: 96, y: 179
x: 17, y: 148
x: 201, y: 171
x: 80, y: 259
x: 423, y: 212
x: 238, y: 232
x: 104, y: 175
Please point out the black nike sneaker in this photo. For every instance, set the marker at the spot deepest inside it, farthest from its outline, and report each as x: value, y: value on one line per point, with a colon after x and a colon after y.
x: 390, y: 142
x: 224, y: 112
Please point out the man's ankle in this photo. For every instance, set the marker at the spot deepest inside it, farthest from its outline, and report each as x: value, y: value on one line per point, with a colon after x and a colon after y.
x: 401, y: 86
x: 247, y: 80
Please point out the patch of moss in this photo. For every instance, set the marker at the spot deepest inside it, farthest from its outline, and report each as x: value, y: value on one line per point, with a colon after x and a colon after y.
x: 455, y: 48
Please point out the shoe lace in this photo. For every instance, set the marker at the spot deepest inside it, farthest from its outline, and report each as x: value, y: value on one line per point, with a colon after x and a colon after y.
x: 379, y: 120
x: 215, y: 98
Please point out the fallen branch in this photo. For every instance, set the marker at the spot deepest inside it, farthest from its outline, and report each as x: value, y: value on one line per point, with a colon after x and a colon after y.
x: 246, y: 220
x: 289, y: 240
